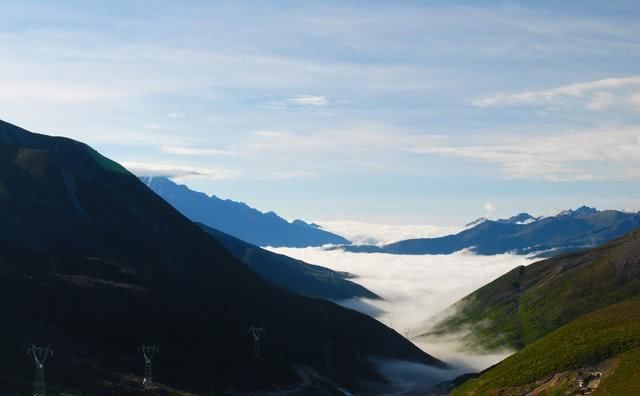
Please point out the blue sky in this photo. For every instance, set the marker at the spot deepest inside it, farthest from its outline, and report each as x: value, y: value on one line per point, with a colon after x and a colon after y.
x: 383, y: 111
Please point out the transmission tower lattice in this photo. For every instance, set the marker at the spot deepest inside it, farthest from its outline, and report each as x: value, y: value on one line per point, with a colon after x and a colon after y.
x: 54, y: 265
x: 328, y: 366
x: 148, y: 352
x: 40, y: 356
x: 256, y: 335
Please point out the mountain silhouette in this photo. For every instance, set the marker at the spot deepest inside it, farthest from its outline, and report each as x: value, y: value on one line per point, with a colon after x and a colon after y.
x: 240, y: 220
x: 291, y: 274
x: 571, y: 230
x: 96, y: 264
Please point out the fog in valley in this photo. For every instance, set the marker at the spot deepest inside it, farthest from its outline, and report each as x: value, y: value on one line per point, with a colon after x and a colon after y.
x: 415, y: 289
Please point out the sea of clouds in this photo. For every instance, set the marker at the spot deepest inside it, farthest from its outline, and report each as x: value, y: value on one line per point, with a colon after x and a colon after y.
x: 415, y: 289
x: 364, y: 233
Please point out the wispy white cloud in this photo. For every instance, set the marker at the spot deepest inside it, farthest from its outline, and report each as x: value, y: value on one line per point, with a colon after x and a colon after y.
x: 597, y: 154
x: 59, y: 92
x: 489, y: 208
x: 308, y: 100
x: 575, y: 90
x: 635, y: 101
x: 287, y: 175
x: 364, y: 137
x: 601, y: 101
x: 607, y: 153
x: 402, y: 67
x: 268, y: 133
x: 178, y: 172
x: 375, y: 147
x: 191, y: 151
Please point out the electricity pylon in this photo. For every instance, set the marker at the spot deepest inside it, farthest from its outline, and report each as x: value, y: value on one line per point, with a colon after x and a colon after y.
x: 256, y: 335
x: 148, y: 273
x: 54, y: 265
x: 40, y: 355
x: 148, y: 352
x: 327, y: 358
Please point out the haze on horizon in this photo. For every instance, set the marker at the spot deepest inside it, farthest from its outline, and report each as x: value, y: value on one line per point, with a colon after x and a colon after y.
x: 407, y: 113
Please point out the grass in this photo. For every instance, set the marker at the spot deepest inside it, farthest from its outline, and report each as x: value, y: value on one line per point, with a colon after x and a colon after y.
x: 603, y: 334
x: 530, y: 302
x: 625, y: 381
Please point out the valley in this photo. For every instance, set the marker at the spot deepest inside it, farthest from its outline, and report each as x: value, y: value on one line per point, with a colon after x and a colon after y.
x: 319, y: 198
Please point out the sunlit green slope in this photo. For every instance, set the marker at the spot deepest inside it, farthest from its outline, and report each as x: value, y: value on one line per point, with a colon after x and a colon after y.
x: 607, y: 340
x: 530, y: 302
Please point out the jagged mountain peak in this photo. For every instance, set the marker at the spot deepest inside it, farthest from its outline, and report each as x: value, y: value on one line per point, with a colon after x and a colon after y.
x: 522, y: 234
x: 581, y: 211
x: 521, y: 218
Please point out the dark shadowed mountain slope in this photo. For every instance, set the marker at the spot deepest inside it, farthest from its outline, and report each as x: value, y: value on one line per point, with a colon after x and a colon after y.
x: 96, y: 264
x: 523, y: 234
x: 291, y: 274
x: 239, y: 220
x: 532, y: 301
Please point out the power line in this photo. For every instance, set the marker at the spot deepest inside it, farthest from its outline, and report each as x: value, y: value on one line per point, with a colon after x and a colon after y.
x: 148, y: 352
x: 40, y: 356
x: 256, y: 335
x: 327, y: 357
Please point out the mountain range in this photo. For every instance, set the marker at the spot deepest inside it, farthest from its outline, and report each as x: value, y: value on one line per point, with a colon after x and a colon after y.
x: 567, y: 316
x: 96, y: 264
x: 280, y: 270
x: 568, y: 231
x: 240, y: 220
x: 291, y: 274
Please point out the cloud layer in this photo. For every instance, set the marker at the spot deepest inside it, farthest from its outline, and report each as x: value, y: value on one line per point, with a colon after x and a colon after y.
x: 416, y: 288
x: 591, y: 89
x: 308, y: 100
x: 178, y: 172
x: 579, y: 155
x: 363, y: 233
x: 354, y: 93
x: 192, y: 151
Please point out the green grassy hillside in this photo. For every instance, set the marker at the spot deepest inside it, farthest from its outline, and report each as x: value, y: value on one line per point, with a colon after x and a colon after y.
x: 625, y: 381
x: 613, y: 332
x: 530, y: 302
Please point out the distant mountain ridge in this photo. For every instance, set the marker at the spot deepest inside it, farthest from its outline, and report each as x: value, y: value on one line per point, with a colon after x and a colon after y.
x: 240, y: 220
x: 521, y: 218
x: 291, y: 274
x: 570, y: 230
